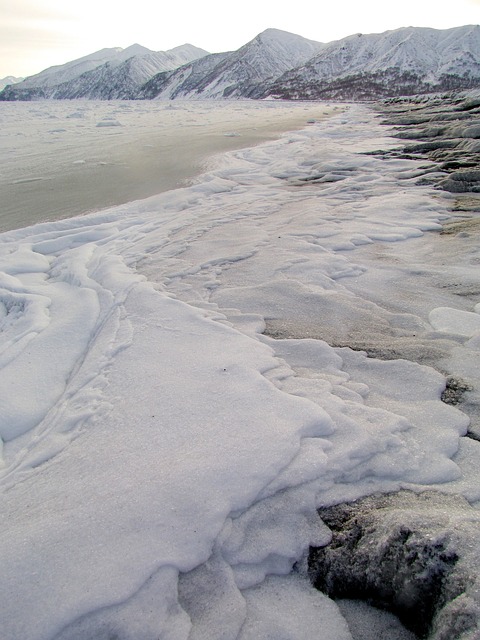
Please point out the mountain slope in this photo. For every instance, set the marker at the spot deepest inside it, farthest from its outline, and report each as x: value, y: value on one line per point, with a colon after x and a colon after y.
x: 64, y: 72
x: 407, y: 60
x: 237, y: 74
x: 180, y: 82
x: 117, y: 78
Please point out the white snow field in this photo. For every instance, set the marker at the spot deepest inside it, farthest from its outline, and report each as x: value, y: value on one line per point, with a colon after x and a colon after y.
x: 172, y: 413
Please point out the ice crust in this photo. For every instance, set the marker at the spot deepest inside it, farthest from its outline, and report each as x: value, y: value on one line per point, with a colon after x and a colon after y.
x: 163, y: 459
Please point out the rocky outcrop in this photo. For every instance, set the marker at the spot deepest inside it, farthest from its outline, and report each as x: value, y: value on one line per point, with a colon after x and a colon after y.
x: 415, y: 555
x: 444, y: 129
x: 462, y: 180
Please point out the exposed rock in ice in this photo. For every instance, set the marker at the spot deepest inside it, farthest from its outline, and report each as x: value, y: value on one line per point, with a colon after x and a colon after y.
x: 413, y: 554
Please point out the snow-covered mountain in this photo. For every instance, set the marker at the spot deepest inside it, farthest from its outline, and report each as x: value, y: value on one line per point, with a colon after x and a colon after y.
x: 237, y: 74
x: 106, y: 74
x: 64, y: 72
x: 9, y: 80
x: 275, y: 64
x: 404, y: 61
x: 183, y: 81
x: 407, y: 60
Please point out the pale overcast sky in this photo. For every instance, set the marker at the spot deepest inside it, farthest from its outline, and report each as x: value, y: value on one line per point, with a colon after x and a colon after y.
x: 35, y: 34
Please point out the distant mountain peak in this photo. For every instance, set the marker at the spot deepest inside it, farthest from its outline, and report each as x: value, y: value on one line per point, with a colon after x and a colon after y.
x: 9, y: 80
x: 279, y: 34
x: 271, y: 32
x: 190, y: 48
x: 135, y: 50
x: 237, y: 74
x: 274, y: 64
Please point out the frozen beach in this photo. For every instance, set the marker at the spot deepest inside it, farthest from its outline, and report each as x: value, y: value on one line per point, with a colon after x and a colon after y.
x: 185, y: 379
x: 61, y: 159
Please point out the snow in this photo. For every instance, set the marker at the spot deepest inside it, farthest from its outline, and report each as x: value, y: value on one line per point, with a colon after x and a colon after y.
x: 298, y: 614
x: 463, y: 323
x: 371, y: 624
x: 425, y: 51
x: 172, y: 413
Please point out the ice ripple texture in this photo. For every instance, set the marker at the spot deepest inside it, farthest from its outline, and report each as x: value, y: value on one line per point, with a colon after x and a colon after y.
x: 170, y: 415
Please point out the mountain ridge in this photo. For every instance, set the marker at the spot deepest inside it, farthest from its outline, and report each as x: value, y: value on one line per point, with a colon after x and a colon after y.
x: 409, y: 59
x: 236, y: 74
x: 274, y: 65
x: 106, y: 74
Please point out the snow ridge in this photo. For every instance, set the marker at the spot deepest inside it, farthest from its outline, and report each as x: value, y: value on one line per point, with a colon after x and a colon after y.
x: 183, y: 81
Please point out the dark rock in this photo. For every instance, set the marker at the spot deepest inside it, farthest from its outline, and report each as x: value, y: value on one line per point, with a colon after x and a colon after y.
x: 454, y: 390
x: 462, y: 181
x: 452, y: 165
x: 451, y: 136
x: 470, y: 104
x: 423, y: 147
x: 414, y: 555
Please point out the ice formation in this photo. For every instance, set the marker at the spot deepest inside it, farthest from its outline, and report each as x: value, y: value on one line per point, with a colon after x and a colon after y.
x: 180, y: 393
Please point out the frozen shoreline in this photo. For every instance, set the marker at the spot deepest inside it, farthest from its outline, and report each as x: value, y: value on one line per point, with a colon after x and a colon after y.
x: 163, y: 459
x: 69, y: 158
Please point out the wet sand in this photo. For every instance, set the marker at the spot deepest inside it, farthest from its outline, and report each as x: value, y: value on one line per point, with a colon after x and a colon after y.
x: 61, y: 159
